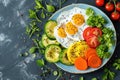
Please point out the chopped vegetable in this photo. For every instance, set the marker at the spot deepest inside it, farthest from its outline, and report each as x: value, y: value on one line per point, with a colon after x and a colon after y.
x: 81, y: 63
x: 94, y: 61
x: 89, y: 52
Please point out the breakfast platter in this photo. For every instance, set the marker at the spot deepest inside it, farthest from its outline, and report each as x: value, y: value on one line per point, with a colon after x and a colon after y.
x: 79, y: 38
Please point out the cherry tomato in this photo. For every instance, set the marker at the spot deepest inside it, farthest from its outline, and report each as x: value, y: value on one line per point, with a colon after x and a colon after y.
x: 96, y: 31
x: 100, y: 2
x: 86, y: 32
x: 109, y: 6
x: 115, y: 15
x: 118, y: 6
x: 93, y: 41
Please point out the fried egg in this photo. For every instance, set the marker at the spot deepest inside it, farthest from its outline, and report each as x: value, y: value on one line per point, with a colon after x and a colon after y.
x: 71, y: 24
x: 61, y: 37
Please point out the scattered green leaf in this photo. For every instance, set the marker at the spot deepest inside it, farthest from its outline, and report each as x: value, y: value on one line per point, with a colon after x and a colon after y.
x: 40, y: 62
x: 38, y: 4
x: 94, y: 79
x: 108, y: 75
x: 32, y: 50
x: 81, y: 78
x: 116, y: 64
x: 42, y: 14
x: 50, y: 8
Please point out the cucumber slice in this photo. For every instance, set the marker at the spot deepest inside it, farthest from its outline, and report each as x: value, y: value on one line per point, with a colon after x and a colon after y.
x: 46, y: 41
x: 63, y: 58
x: 52, y: 53
x: 49, y: 28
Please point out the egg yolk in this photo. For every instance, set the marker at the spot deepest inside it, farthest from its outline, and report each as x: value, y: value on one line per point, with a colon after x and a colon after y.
x: 78, y: 19
x: 71, y: 29
x: 61, y: 31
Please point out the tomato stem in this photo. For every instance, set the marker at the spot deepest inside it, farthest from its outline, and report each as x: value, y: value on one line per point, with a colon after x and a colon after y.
x: 114, y: 1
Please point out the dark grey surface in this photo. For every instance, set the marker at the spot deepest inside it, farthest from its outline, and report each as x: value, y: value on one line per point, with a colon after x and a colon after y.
x: 13, y: 20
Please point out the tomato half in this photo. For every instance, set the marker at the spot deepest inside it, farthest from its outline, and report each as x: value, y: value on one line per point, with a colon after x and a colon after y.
x: 96, y: 31
x: 87, y: 32
x: 93, y: 41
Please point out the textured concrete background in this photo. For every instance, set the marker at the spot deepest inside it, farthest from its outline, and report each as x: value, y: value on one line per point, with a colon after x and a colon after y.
x: 13, y: 20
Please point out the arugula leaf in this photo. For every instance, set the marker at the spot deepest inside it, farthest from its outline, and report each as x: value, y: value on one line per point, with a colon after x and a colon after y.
x: 109, y: 75
x: 116, y: 64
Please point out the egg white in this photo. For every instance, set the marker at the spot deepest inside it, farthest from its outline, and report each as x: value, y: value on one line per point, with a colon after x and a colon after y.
x: 63, y: 18
x: 65, y: 42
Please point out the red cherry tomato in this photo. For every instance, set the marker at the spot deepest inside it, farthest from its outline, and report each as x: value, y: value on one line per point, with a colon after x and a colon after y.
x: 96, y: 31
x: 115, y: 15
x: 86, y: 32
x: 93, y: 41
x: 118, y: 6
x: 109, y: 6
x: 100, y: 2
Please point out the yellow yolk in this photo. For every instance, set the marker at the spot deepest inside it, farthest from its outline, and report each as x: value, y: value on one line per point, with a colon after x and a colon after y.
x: 61, y: 31
x: 71, y: 29
x: 78, y: 19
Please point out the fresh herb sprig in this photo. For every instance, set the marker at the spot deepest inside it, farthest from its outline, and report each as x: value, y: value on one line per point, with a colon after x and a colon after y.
x: 116, y: 64
x: 108, y: 75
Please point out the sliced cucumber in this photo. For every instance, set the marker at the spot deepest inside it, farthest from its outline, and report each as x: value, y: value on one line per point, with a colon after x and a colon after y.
x: 52, y: 53
x: 49, y: 28
x: 63, y: 58
x: 46, y: 41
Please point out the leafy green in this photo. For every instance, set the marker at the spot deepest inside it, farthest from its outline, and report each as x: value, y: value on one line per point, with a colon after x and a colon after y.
x: 102, y: 51
x: 50, y: 8
x: 81, y: 78
x: 33, y: 15
x: 32, y: 29
x: 109, y: 75
x: 38, y: 4
x: 116, y: 64
x: 89, y: 11
x: 94, y: 79
x: 40, y: 62
x: 32, y: 50
x: 96, y: 21
x: 42, y: 14
x: 106, y: 41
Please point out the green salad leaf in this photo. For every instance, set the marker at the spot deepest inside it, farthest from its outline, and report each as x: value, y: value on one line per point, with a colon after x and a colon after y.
x: 89, y: 11
x: 96, y: 21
